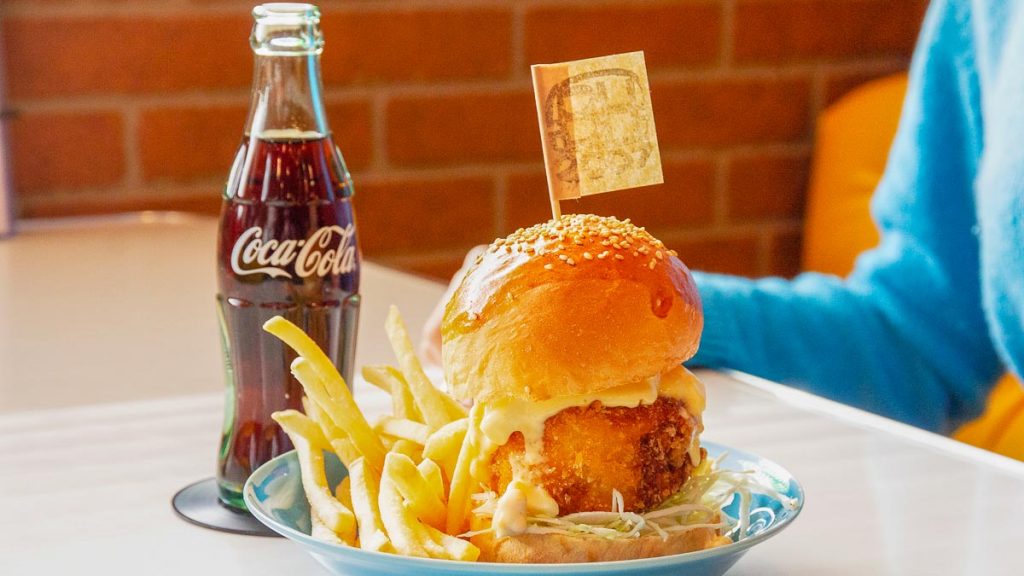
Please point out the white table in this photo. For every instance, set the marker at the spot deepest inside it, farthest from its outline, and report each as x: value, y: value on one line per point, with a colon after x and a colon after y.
x: 108, y: 406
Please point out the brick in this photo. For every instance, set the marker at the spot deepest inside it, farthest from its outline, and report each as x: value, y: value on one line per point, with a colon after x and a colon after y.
x: 196, y: 200
x: 685, y: 200
x: 675, y: 35
x: 399, y: 216
x: 352, y: 125
x: 727, y: 254
x: 784, y: 256
x: 66, y: 150
x: 398, y: 45
x: 805, y: 30
x: 186, y: 143
x: 476, y: 127
x: 766, y: 187
x: 61, y: 56
x: 838, y: 84
x: 731, y: 112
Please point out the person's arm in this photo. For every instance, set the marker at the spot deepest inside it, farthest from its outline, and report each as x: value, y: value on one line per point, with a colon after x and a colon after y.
x: 904, y: 335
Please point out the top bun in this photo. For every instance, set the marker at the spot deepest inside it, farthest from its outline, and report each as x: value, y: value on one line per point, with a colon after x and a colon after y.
x: 575, y: 305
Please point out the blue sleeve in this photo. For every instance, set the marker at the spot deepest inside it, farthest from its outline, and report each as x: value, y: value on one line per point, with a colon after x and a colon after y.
x: 904, y: 335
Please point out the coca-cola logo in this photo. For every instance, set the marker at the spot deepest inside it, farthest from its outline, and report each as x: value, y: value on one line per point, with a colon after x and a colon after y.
x: 329, y: 250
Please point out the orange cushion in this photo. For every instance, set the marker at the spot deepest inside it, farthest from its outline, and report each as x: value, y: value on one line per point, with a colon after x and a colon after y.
x: 850, y: 152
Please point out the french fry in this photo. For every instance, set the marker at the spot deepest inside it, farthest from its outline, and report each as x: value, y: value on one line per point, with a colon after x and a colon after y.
x: 455, y: 548
x: 402, y: 469
x: 432, y: 474
x: 444, y: 445
x: 413, y: 537
x: 309, y: 442
x: 420, y: 498
x: 346, y: 452
x: 459, y: 491
x: 322, y: 532
x: 365, y: 493
x: 389, y: 379
x: 455, y: 410
x: 409, y: 448
x: 317, y: 414
x: 295, y: 423
x: 329, y: 390
x: 344, y: 493
x: 398, y: 522
x: 402, y: 428
x: 429, y: 399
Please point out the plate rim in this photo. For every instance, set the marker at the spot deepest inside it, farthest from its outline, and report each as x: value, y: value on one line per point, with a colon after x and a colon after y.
x: 413, y: 562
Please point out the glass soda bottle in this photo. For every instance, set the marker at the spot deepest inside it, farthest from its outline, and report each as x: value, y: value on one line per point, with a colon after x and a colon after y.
x: 287, y: 242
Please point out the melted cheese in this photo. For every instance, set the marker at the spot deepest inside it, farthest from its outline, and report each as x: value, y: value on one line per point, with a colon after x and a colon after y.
x: 683, y: 385
x: 503, y: 418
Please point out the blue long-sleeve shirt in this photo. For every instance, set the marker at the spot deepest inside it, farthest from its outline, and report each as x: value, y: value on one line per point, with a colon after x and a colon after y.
x: 928, y: 320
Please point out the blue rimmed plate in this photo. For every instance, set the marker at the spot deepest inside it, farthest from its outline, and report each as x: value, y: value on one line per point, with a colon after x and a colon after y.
x: 274, y: 496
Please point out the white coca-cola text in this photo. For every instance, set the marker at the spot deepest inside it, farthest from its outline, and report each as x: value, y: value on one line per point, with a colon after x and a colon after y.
x: 319, y: 255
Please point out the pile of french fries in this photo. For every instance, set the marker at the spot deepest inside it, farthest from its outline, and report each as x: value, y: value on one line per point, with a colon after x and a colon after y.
x: 408, y: 489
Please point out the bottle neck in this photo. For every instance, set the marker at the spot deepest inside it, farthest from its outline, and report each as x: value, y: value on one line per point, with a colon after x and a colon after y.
x: 286, y: 98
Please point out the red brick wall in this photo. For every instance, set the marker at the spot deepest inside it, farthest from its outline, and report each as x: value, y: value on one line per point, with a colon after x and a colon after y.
x: 118, y: 106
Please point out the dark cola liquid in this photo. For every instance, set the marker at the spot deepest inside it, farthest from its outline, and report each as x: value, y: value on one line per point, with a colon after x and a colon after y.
x: 287, y: 247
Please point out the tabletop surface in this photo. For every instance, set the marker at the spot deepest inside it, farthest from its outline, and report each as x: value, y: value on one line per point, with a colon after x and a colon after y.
x: 110, y: 401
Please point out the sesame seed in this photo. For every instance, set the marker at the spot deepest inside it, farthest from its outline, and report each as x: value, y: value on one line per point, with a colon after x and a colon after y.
x: 587, y: 256
x: 659, y: 255
x: 563, y: 257
x: 570, y: 262
x: 652, y: 263
x: 549, y: 266
x: 620, y: 257
x: 616, y: 245
x: 635, y: 253
x: 603, y: 255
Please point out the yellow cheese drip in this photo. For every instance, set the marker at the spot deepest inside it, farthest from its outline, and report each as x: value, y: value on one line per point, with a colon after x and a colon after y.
x: 503, y: 418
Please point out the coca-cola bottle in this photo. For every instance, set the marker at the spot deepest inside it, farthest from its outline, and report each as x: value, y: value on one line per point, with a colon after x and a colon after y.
x: 287, y: 242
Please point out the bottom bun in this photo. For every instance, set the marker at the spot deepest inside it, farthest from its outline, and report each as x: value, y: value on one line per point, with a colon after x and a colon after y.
x: 562, y: 549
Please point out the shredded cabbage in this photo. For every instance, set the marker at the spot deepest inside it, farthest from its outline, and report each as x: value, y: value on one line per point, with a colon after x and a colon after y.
x: 703, y: 497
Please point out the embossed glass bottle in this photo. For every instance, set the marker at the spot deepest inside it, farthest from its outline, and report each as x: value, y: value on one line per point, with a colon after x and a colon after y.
x: 287, y: 242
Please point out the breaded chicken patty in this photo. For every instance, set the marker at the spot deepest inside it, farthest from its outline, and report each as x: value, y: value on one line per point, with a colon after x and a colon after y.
x: 589, y: 451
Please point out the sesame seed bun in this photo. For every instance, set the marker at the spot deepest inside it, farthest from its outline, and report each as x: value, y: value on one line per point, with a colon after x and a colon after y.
x: 561, y: 549
x: 571, y: 306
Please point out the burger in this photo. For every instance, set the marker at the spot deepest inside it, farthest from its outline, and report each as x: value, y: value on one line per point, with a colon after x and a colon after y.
x: 570, y: 337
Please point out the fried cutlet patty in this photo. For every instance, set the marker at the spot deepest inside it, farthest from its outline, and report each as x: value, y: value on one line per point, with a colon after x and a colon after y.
x: 588, y: 451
